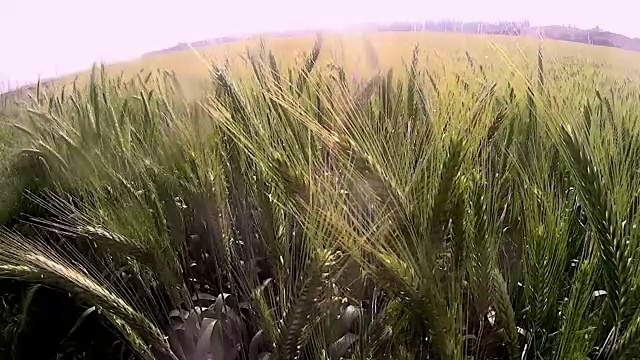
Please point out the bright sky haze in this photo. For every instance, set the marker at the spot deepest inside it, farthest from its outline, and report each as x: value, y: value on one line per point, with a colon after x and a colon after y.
x: 45, y: 38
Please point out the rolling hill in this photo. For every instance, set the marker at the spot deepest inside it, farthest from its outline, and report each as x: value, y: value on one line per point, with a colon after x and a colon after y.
x: 594, y: 36
x: 186, y: 66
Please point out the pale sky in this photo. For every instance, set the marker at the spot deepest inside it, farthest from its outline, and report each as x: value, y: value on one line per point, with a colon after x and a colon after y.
x: 54, y: 37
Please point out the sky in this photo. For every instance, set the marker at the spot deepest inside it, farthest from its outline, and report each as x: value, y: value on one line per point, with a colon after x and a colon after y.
x: 48, y: 38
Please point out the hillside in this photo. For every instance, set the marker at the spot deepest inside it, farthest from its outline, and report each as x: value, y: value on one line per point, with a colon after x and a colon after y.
x: 348, y: 46
x: 594, y: 36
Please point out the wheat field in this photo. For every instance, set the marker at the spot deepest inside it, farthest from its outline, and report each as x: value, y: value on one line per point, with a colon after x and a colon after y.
x: 501, y: 55
x: 362, y: 196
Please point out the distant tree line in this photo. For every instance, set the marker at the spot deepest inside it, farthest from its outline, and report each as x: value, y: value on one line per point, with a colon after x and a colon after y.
x: 502, y: 28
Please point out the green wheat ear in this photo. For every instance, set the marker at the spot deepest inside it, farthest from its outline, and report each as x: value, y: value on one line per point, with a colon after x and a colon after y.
x: 47, y: 264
